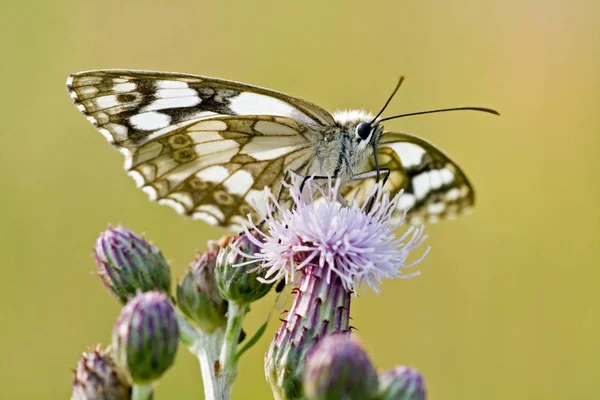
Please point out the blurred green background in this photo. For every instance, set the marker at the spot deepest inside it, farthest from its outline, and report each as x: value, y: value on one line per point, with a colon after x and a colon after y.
x: 507, y: 303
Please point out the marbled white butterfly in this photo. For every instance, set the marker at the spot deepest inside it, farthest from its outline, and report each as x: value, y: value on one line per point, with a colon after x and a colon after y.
x: 208, y: 147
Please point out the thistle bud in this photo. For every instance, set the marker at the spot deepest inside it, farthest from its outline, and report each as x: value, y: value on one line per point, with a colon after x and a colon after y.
x: 402, y: 383
x: 145, y: 337
x: 197, y: 294
x: 97, y: 377
x: 127, y: 264
x: 237, y: 277
x: 338, y: 368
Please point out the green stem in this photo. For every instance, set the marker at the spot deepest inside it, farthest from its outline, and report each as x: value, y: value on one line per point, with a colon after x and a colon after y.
x: 235, y: 316
x: 207, y: 350
x: 141, y: 392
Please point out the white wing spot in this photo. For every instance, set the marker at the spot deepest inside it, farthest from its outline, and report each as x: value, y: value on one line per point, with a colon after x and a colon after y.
x: 213, y: 125
x: 247, y: 103
x: 124, y: 87
x: 239, y: 182
x: 150, y: 121
x: 265, y: 148
x: 435, y: 179
x: 273, y: 128
x: 183, y: 198
x: 175, y: 93
x: 151, y: 192
x: 452, y: 194
x: 87, y: 91
x: 447, y: 176
x: 209, y: 219
x: 106, y: 102
x: 410, y: 154
x: 172, y: 203
x: 406, y: 201
x: 421, y: 185
x: 161, y: 104
x: 256, y: 198
x: 216, y: 174
x: 171, y: 85
x: 436, y: 208
x: 119, y: 131
x: 204, y: 136
x: 212, y: 210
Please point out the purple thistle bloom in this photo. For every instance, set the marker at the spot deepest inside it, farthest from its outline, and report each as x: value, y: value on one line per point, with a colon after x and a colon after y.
x: 357, y: 245
x: 328, y: 250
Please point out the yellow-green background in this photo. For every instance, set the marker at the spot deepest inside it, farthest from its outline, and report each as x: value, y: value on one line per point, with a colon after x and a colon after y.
x: 507, y: 303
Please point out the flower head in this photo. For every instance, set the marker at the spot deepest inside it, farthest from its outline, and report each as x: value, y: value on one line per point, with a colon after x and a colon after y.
x: 197, y: 293
x: 146, y: 336
x: 128, y: 263
x: 402, y: 383
x: 354, y: 242
x: 97, y: 377
x: 240, y: 281
x: 338, y: 368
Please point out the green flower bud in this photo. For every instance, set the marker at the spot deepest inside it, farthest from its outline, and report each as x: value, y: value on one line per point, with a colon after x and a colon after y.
x: 402, y: 383
x: 97, y: 377
x: 338, y: 368
x: 145, y: 337
x: 197, y: 294
x: 127, y: 264
x: 237, y: 277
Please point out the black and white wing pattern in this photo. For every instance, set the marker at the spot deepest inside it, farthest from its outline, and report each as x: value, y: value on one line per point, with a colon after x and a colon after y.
x: 130, y: 106
x: 434, y: 187
x: 196, y: 143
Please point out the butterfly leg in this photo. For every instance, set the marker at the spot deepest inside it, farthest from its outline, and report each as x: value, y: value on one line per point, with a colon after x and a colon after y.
x: 373, y: 174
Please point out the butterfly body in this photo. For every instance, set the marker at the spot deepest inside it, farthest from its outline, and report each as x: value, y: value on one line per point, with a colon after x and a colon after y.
x: 208, y: 147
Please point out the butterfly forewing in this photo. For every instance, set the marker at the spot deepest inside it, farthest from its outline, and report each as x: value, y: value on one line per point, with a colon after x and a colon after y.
x: 134, y: 106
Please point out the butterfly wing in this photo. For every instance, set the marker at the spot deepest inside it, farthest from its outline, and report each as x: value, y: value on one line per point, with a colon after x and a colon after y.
x: 130, y: 106
x: 216, y: 169
x: 435, y: 188
x: 207, y: 147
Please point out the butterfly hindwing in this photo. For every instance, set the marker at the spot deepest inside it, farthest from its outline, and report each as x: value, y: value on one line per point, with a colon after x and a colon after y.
x: 130, y: 106
x: 215, y: 169
x: 434, y: 187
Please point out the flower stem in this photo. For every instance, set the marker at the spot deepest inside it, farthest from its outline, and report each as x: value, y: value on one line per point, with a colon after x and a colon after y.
x: 207, y: 349
x: 320, y: 307
x: 216, y: 351
x: 228, y: 361
x: 141, y: 392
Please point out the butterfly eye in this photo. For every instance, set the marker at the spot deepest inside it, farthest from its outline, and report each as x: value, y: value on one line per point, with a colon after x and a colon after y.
x: 363, y: 130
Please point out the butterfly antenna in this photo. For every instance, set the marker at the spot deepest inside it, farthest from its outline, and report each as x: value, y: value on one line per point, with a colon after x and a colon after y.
x: 389, y: 99
x: 482, y: 109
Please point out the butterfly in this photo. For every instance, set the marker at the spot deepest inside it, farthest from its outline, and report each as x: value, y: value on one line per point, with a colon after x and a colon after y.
x: 208, y: 147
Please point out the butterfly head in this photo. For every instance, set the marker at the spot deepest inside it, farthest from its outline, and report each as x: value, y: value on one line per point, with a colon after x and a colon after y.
x: 359, y: 125
x: 365, y: 132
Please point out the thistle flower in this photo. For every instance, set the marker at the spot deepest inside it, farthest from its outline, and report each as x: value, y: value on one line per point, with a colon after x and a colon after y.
x: 328, y: 250
x: 197, y: 294
x: 145, y: 337
x: 401, y: 383
x: 127, y: 264
x: 97, y: 377
x: 238, y: 279
x: 357, y: 245
x: 338, y: 368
